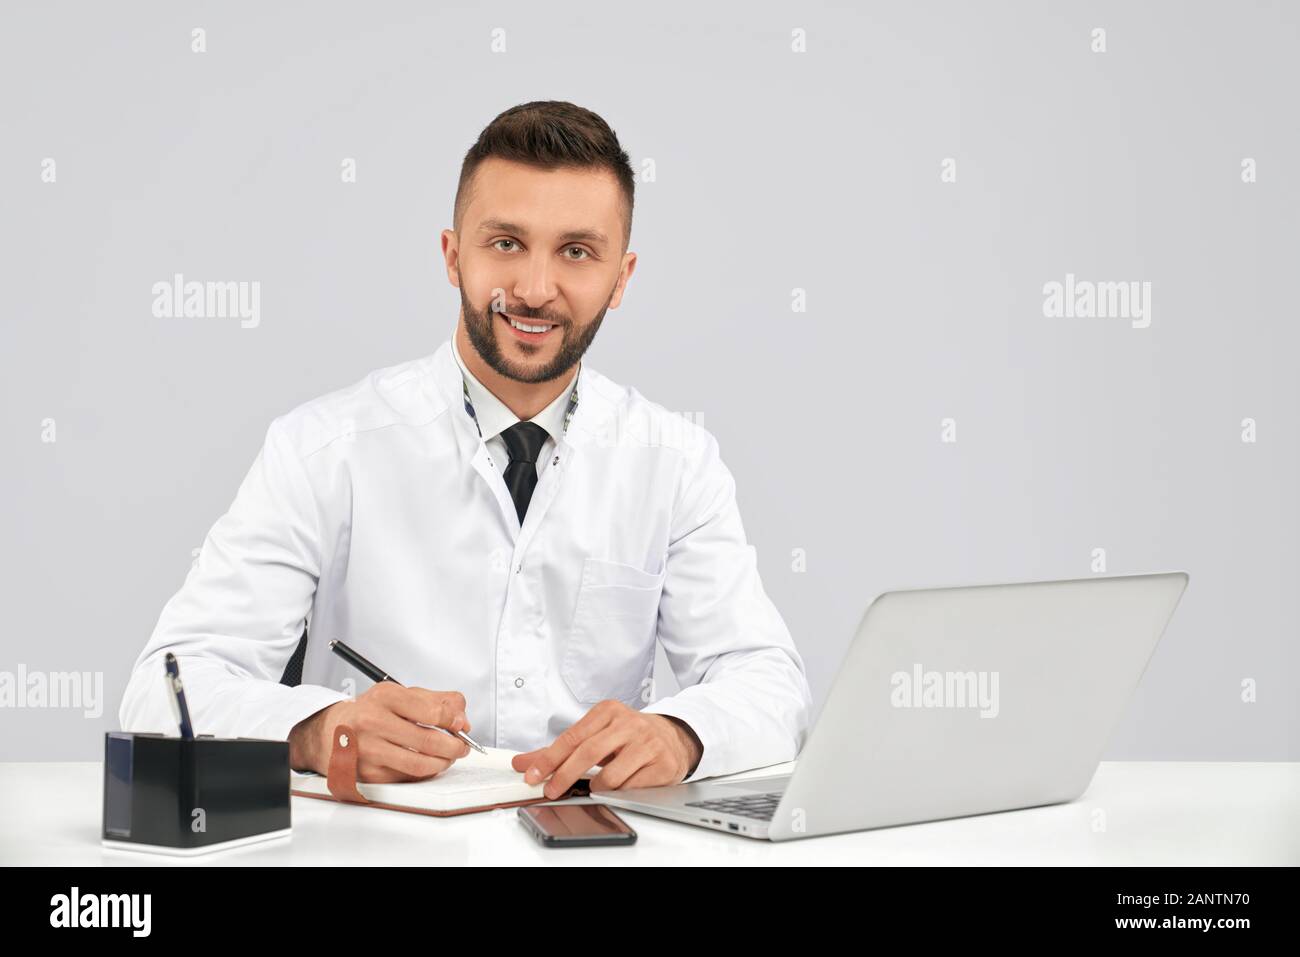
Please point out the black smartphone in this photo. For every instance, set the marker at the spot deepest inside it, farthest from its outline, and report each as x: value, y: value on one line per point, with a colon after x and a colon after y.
x: 575, y: 825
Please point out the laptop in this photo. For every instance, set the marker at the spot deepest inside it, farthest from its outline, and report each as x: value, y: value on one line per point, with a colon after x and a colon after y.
x: 951, y: 702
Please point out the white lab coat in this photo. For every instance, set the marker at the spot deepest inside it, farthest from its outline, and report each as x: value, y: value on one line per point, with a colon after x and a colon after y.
x: 376, y: 515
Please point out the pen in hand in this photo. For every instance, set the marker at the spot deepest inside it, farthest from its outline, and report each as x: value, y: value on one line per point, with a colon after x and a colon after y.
x: 377, y: 675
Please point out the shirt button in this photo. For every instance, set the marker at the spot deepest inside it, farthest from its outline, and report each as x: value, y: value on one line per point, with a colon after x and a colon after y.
x: 519, y: 682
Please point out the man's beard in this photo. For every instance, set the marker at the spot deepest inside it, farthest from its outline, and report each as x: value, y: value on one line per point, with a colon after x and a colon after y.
x: 573, y: 345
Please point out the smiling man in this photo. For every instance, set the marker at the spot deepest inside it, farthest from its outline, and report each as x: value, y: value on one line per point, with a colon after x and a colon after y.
x: 499, y: 520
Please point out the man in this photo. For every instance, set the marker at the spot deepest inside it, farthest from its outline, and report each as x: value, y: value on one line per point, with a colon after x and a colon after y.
x: 497, y: 518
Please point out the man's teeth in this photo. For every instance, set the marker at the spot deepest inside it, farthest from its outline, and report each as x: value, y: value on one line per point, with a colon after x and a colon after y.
x: 527, y: 328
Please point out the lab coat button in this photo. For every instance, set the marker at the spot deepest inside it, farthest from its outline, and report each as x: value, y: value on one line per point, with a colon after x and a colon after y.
x: 519, y: 682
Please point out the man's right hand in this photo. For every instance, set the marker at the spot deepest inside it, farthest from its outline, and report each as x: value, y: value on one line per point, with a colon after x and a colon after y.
x: 392, y: 746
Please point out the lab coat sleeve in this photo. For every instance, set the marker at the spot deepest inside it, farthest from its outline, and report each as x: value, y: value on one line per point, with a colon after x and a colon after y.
x: 744, y: 690
x: 237, y: 619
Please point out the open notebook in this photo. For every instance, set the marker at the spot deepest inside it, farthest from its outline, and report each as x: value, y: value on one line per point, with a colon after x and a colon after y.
x: 477, y: 782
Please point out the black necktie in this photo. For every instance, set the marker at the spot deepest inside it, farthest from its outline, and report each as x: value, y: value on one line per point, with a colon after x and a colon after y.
x: 524, y: 443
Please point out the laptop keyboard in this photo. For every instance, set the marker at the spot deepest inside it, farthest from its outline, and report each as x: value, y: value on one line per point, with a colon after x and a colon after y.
x: 760, y: 807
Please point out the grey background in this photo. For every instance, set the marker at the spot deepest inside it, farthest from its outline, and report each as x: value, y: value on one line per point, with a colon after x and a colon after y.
x: 775, y: 170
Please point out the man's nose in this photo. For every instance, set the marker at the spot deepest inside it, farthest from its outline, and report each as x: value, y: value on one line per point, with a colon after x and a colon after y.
x: 536, y: 285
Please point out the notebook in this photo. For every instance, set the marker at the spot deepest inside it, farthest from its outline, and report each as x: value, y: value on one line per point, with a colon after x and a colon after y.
x: 477, y: 782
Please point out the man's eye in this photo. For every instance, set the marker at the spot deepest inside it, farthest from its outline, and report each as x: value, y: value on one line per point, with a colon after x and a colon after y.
x: 585, y: 254
x: 498, y: 241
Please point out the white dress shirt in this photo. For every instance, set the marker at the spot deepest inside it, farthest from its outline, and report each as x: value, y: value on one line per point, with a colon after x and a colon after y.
x: 378, y: 515
x: 494, y: 416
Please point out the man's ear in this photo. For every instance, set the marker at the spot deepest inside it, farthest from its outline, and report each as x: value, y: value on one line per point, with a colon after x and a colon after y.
x: 624, y: 274
x: 451, y: 256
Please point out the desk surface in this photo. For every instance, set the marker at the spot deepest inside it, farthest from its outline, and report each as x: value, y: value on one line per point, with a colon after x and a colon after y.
x: 1134, y: 813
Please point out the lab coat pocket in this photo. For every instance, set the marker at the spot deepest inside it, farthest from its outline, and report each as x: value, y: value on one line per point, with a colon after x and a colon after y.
x: 611, y: 643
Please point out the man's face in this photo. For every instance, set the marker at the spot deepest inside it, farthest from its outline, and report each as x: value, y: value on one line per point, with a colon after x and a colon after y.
x: 543, y: 248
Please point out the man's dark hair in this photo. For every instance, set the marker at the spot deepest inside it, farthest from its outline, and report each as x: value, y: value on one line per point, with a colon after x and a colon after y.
x: 550, y: 134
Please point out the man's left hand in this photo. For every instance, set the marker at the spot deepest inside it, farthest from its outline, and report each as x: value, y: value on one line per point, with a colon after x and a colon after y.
x: 633, y: 748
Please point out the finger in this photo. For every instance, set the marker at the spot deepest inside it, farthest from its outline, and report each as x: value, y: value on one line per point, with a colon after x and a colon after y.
x: 657, y: 774
x: 653, y: 775
x: 371, y: 772
x: 524, y: 760
x: 442, y: 709
x: 377, y: 774
x: 616, y: 773
x: 570, y: 738
x: 407, y: 734
x: 389, y: 755
x: 584, y: 756
x: 446, y: 708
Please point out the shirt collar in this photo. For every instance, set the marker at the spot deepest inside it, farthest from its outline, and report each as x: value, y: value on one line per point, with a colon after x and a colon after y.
x: 493, y: 416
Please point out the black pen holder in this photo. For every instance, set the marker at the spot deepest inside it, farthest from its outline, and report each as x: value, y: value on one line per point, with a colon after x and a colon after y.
x: 181, y: 796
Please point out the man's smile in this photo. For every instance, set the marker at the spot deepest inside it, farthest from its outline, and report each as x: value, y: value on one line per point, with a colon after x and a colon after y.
x: 527, y: 330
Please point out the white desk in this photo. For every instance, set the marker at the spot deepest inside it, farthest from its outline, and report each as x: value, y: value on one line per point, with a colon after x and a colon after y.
x: 1155, y: 813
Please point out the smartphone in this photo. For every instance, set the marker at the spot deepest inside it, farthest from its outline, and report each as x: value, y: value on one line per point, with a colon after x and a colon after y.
x: 575, y: 825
